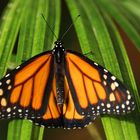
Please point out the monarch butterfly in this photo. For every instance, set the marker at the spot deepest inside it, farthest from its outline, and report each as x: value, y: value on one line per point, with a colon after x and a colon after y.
x: 62, y: 88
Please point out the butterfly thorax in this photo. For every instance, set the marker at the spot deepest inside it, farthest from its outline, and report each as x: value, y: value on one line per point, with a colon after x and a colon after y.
x: 58, y: 52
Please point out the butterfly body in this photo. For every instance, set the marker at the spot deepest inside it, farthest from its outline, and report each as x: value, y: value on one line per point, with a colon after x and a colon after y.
x: 58, y: 53
x: 62, y: 88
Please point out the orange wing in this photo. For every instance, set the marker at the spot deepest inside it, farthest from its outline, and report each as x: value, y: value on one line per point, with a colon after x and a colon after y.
x: 95, y: 90
x: 71, y: 117
x: 24, y: 92
x: 68, y: 117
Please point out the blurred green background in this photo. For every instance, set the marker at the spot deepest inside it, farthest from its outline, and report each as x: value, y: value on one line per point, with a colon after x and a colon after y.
x: 108, y: 28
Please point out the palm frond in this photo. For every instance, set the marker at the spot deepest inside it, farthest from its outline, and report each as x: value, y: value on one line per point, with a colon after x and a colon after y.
x: 24, y: 33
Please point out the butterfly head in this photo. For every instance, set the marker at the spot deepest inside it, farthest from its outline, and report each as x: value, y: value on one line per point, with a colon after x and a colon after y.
x: 58, y: 51
x: 58, y: 42
x: 58, y: 46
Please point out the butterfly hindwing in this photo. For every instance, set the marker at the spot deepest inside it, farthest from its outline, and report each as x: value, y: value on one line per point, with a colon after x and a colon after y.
x: 71, y: 117
x: 52, y: 115
x: 68, y: 117
x: 22, y: 90
x: 95, y: 90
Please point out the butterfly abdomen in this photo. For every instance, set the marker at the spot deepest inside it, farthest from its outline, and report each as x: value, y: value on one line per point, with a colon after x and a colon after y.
x: 59, y: 75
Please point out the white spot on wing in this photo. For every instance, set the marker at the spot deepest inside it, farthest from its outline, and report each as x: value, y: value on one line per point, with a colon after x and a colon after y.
x: 14, y: 107
x: 113, y: 86
x: 105, y: 70
x: 118, y: 111
x: 117, y: 107
x: 105, y: 76
x: 123, y: 106
x: 8, y: 81
x: 3, y: 102
x: 9, y: 115
x: 128, y: 92
x: 98, y: 107
x: 108, y: 110
x: 113, y: 78
x: 104, y: 82
x: 82, y: 112
x: 108, y: 105
x: 1, y: 92
x: 9, y: 109
x: 128, y: 108
x: 9, y: 87
x: 102, y: 104
x: 103, y: 109
x: 19, y: 110
x: 127, y: 102
x: 129, y: 97
x: 112, y: 97
x: 7, y: 75
x: 116, y: 84
x: 17, y: 67
x: 95, y: 63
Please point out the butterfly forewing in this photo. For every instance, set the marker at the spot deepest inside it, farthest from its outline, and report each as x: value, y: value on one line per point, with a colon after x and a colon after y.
x: 22, y: 91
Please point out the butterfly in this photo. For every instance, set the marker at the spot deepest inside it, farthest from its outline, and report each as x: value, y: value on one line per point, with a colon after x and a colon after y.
x: 62, y: 88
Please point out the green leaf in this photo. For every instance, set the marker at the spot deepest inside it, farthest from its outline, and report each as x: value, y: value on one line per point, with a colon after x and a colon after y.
x: 9, y: 30
x: 24, y: 33
x: 112, y: 8
x: 132, y: 7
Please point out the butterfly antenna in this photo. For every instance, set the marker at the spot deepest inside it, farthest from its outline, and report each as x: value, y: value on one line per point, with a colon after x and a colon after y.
x: 69, y: 27
x: 49, y: 26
